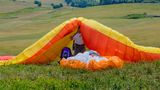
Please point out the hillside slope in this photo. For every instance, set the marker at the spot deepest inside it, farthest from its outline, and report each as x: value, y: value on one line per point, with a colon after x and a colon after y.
x: 31, y: 23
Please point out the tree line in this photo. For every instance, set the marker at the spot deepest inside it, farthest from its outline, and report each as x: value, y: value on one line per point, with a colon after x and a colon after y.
x: 54, y: 6
x: 85, y: 3
x: 104, y: 2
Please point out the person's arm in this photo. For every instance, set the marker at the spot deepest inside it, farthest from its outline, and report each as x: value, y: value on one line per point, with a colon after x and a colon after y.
x: 74, y: 37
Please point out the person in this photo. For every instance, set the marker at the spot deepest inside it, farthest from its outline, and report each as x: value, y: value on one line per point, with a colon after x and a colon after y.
x: 65, y: 53
x: 78, y: 43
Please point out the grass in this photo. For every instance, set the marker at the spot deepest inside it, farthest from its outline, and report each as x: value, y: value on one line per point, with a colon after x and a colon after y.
x: 15, y: 14
x: 136, y: 16
x: 140, y: 16
x: 132, y: 76
x: 32, y: 23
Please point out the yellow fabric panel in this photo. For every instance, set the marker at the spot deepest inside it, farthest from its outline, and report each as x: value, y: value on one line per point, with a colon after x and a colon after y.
x: 55, y: 50
x: 117, y: 36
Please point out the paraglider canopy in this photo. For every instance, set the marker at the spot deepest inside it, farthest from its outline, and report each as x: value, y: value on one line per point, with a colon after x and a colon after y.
x: 104, y: 40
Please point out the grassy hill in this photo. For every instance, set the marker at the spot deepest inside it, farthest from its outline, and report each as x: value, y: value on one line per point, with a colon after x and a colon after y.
x: 21, y: 25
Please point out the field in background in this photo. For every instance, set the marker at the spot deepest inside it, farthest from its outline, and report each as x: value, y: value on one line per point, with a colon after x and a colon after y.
x: 22, y: 23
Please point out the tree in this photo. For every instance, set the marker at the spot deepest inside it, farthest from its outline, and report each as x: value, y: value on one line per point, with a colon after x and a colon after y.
x: 38, y: 3
x: 68, y: 1
x: 55, y: 6
x: 138, y: 1
x: 82, y: 4
x: 73, y: 4
x: 103, y: 2
x: 61, y: 5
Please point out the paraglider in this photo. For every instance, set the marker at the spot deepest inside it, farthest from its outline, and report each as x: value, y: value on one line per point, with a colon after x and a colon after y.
x: 93, y: 33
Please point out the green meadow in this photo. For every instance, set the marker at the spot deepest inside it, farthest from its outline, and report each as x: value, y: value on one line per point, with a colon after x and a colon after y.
x: 23, y: 23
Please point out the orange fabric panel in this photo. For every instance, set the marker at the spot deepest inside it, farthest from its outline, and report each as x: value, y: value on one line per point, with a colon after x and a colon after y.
x: 142, y: 56
x: 114, y: 62
x: 112, y: 47
x: 117, y: 62
x: 106, y: 64
x: 73, y: 64
x: 136, y: 56
x: 102, y: 44
x: 120, y: 51
x: 93, y: 65
x: 107, y: 46
x: 129, y: 53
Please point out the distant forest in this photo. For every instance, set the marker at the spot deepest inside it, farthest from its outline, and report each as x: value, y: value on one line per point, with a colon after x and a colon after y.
x: 85, y: 3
